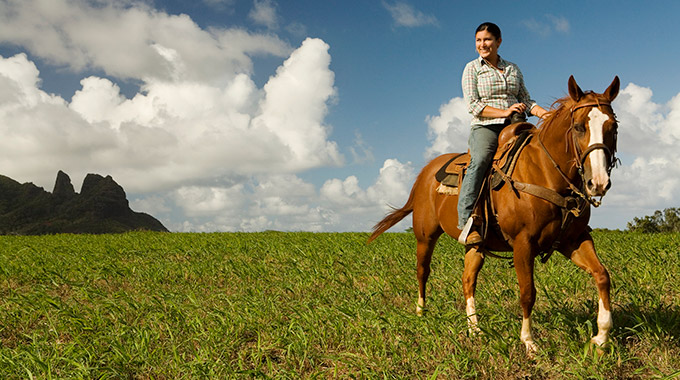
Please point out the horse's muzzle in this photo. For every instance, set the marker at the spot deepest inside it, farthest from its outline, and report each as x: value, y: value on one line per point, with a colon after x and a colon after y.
x: 598, y: 189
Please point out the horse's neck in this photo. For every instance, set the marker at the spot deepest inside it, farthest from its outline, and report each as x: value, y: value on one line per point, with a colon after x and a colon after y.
x: 557, y: 149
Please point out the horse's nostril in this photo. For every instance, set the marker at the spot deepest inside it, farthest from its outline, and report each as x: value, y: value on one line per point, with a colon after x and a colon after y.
x: 590, y: 184
x: 609, y: 184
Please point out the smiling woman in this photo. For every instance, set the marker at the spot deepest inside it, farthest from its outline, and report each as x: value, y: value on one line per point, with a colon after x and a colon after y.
x: 494, y: 90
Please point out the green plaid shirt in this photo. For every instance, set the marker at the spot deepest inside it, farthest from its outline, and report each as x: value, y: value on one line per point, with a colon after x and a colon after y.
x: 484, y: 86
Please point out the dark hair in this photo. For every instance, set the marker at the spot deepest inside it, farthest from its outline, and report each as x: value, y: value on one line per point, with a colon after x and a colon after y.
x: 491, y: 28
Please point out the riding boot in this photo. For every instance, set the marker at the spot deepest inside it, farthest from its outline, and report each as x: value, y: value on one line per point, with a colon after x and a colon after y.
x: 470, y: 235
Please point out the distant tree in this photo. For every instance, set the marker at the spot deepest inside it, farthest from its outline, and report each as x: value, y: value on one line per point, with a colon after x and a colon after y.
x: 667, y: 220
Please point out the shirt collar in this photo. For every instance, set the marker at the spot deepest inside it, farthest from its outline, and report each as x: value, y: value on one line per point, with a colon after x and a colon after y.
x: 501, y: 62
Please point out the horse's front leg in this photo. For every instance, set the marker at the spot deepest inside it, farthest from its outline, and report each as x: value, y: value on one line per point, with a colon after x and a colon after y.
x: 584, y: 256
x: 524, y: 266
x: 473, y: 264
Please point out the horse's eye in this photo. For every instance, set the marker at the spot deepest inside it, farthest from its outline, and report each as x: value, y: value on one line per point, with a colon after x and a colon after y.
x: 580, y: 128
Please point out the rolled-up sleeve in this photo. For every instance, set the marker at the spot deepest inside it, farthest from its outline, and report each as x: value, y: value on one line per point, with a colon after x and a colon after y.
x: 470, y: 91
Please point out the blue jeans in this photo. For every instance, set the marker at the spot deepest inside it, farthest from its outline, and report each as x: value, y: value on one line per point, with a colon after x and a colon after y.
x: 483, y: 143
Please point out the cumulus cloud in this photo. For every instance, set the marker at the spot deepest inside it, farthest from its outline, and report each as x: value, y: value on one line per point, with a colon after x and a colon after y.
x: 174, y: 131
x: 200, y: 145
x: 286, y: 202
x: 649, y: 134
x: 147, y: 43
x: 264, y: 13
x: 405, y: 15
x: 448, y: 132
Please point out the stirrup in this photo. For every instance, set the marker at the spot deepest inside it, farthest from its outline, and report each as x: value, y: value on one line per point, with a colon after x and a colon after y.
x: 462, y: 238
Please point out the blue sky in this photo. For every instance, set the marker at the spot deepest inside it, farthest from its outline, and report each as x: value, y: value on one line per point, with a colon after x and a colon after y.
x: 241, y: 115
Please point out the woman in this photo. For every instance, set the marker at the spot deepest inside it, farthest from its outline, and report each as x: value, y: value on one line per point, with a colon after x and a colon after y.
x: 493, y: 89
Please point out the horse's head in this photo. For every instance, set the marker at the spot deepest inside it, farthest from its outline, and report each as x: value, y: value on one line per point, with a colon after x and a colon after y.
x: 594, y: 130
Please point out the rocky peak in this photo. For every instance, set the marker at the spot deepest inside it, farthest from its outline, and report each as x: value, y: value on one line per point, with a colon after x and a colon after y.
x: 63, y: 187
x: 107, y: 196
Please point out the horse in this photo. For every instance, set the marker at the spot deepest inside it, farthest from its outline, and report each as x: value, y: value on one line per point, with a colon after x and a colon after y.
x: 543, y: 206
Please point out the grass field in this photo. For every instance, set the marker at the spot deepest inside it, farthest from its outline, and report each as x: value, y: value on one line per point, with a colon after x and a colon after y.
x: 307, y: 305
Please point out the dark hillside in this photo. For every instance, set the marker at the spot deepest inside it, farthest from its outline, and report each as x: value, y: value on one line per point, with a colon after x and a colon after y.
x: 101, y: 207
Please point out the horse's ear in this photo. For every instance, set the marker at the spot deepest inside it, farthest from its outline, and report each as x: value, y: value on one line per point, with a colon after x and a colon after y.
x: 613, y: 89
x: 574, y: 90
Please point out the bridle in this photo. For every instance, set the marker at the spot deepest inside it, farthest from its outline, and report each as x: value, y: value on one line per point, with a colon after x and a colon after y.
x: 581, y: 156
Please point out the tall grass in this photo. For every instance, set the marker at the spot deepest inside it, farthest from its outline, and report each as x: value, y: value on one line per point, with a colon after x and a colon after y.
x: 305, y: 305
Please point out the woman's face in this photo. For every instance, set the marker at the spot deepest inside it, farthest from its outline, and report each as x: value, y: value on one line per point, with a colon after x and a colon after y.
x: 487, y: 45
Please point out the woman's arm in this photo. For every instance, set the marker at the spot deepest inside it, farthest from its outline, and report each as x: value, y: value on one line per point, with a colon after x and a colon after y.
x: 494, y: 112
x: 539, y: 112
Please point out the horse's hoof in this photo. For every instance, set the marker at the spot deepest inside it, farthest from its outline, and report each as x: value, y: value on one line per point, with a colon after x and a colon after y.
x: 600, y: 344
x: 599, y: 341
x: 532, y: 348
x: 420, y: 311
x: 475, y: 331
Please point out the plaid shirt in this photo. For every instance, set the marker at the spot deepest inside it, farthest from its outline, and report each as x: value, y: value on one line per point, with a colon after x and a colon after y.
x: 484, y: 86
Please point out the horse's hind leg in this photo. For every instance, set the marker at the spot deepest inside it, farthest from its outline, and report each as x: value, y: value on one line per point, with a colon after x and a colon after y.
x: 473, y: 264
x: 584, y: 256
x: 426, y: 243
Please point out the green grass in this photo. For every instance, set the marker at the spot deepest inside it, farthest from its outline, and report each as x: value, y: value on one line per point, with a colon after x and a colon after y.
x: 306, y: 305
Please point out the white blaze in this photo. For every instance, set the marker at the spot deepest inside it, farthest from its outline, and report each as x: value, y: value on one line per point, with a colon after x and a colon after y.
x: 597, y: 158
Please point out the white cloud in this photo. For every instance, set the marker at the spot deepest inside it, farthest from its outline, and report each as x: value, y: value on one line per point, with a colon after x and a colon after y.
x: 548, y: 25
x: 649, y: 135
x: 198, y: 143
x: 448, y: 132
x: 405, y: 15
x: 390, y: 189
x: 78, y: 35
x: 361, y: 151
x: 560, y: 24
x: 201, y: 155
x: 264, y: 13
x: 286, y: 202
x: 174, y: 131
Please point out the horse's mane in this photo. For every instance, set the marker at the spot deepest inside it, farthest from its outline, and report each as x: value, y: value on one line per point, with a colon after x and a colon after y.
x: 560, y: 117
x: 560, y: 111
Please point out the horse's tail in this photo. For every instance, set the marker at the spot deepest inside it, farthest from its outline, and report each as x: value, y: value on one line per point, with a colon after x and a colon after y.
x: 395, y: 216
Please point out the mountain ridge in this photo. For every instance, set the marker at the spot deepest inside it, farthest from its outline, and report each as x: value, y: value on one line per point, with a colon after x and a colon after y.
x: 100, y: 207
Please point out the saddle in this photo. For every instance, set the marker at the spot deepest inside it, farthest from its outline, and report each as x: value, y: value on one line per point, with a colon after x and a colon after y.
x: 511, y: 140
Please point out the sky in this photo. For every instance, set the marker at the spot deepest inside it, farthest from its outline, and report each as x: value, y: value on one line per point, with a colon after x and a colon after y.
x: 242, y: 115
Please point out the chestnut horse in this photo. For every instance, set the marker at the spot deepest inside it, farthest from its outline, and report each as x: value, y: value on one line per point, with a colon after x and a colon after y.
x: 569, y: 160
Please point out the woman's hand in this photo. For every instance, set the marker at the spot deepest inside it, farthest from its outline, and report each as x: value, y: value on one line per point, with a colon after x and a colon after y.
x: 517, y: 107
